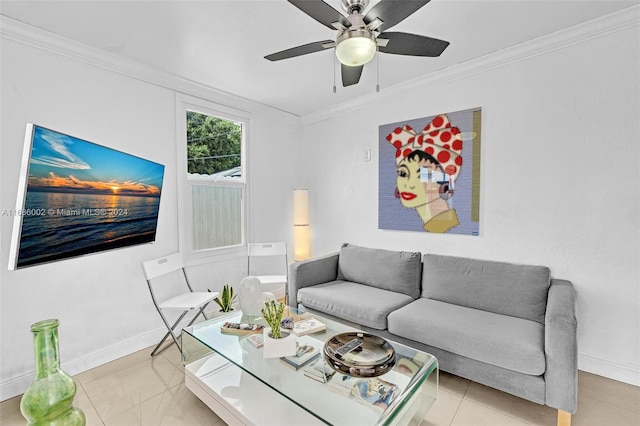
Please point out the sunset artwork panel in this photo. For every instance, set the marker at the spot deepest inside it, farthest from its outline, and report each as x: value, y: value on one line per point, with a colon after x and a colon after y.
x: 81, y: 198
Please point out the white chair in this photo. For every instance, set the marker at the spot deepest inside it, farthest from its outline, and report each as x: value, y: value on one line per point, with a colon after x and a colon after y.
x: 270, y: 264
x: 183, y: 302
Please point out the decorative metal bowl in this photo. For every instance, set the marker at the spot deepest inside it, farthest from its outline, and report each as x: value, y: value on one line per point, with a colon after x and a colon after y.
x: 359, y: 354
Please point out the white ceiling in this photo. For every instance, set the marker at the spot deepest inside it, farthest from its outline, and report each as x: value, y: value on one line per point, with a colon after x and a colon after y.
x: 222, y: 44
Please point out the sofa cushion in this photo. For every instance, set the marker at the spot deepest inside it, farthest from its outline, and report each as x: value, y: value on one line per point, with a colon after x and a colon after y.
x: 504, y: 341
x: 354, y: 302
x: 397, y: 271
x: 504, y: 288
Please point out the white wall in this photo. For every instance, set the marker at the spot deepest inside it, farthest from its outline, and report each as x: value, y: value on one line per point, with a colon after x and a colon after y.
x: 102, y: 300
x: 559, y: 178
x: 552, y: 113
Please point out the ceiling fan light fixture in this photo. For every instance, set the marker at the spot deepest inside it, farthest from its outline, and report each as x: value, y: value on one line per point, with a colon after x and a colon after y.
x: 356, y: 49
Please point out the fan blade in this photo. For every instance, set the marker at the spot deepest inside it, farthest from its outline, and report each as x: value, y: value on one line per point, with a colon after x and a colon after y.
x: 300, y: 50
x: 351, y: 75
x: 412, y: 44
x: 392, y: 12
x: 321, y: 12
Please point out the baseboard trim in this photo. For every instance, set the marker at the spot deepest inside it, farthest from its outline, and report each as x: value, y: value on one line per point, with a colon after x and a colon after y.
x: 17, y: 385
x: 622, y: 372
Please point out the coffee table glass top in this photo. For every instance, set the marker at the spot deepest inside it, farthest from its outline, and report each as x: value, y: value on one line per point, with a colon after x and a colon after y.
x: 341, y: 400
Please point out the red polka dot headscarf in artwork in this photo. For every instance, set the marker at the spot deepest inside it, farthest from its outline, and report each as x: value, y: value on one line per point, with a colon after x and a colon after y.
x: 438, y: 139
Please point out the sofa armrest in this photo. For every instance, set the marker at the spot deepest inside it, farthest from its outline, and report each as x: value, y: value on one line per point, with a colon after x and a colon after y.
x: 311, y: 272
x: 561, y: 347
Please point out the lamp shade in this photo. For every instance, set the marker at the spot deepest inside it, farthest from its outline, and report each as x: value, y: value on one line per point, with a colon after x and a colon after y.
x: 301, y: 242
x: 301, y: 231
x: 356, y: 51
x: 300, y: 206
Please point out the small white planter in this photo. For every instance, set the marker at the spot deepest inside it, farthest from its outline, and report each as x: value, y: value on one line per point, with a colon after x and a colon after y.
x: 276, y: 348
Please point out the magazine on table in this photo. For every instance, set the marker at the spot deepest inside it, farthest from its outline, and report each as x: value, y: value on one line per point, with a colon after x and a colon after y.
x: 374, y: 391
x: 306, y: 352
x: 342, y: 384
x: 256, y: 340
x: 320, y: 371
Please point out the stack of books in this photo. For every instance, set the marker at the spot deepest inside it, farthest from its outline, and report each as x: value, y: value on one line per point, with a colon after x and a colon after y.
x: 305, y: 353
x: 320, y: 371
x: 256, y: 340
x: 308, y: 326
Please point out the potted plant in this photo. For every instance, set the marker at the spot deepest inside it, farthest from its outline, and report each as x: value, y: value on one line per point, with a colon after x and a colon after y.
x: 225, y: 299
x: 277, y: 342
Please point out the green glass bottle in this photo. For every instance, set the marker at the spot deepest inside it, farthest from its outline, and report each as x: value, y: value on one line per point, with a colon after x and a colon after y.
x: 48, y: 399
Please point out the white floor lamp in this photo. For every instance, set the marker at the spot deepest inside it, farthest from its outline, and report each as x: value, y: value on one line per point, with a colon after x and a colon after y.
x: 301, y: 231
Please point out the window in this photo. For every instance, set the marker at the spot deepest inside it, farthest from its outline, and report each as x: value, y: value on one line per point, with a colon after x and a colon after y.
x: 212, y: 145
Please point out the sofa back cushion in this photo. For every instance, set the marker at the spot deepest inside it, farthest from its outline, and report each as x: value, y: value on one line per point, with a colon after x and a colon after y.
x: 398, y: 271
x: 504, y: 288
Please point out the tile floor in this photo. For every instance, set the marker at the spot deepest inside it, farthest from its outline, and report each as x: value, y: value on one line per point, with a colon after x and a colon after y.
x: 140, y: 390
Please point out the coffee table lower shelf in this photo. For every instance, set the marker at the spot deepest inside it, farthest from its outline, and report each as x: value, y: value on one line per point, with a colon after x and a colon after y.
x: 235, y: 381
x: 238, y: 398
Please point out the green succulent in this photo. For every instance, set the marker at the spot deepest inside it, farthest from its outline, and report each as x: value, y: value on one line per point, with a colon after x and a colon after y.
x: 225, y: 299
x: 272, y: 313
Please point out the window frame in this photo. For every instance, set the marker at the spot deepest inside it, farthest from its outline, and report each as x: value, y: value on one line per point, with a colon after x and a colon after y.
x: 186, y: 103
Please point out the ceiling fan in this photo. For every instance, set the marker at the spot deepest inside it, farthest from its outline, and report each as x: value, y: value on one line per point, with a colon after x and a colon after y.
x: 360, y: 36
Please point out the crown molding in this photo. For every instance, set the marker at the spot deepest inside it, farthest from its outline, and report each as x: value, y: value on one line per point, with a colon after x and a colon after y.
x: 19, y: 32
x: 11, y: 29
x: 600, y: 27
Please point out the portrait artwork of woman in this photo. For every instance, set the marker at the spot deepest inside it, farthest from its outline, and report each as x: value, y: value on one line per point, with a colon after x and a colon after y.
x: 428, y: 164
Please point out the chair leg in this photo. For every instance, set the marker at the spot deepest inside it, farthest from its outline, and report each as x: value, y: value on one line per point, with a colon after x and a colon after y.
x: 201, y: 312
x: 564, y: 418
x: 156, y: 351
x: 196, y: 316
x: 169, y: 333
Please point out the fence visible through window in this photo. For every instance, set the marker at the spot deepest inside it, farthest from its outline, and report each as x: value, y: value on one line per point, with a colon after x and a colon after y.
x: 216, y: 176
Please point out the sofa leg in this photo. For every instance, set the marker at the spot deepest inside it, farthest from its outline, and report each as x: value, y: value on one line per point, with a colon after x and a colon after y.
x: 564, y: 418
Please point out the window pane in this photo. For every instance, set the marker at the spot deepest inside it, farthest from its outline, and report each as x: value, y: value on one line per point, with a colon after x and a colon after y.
x: 214, y: 146
x: 217, y: 216
x: 215, y: 179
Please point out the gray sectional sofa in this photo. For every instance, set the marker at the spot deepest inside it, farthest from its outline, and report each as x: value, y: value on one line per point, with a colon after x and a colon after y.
x: 508, y: 326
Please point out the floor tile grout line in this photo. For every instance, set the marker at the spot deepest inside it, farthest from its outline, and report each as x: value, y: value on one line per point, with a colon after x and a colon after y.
x: 492, y: 408
x: 166, y: 388
x: 614, y: 403
x: 467, y: 391
x: 455, y: 413
x: 90, y: 400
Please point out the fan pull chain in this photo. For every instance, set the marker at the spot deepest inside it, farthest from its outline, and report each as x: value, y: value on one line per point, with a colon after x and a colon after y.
x: 378, y: 70
x: 334, y: 73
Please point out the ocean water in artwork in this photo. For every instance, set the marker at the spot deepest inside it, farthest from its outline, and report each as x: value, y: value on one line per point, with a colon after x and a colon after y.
x: 58, y: 225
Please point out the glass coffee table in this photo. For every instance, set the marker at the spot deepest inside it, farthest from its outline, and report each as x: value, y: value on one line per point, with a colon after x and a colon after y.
x: 229, y: 374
